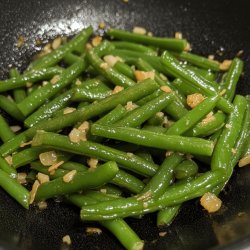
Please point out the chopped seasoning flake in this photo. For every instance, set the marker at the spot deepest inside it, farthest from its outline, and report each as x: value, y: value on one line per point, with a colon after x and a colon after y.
x: 48, y: 158
x: 42, y: 178
x: 33, y: 191
x: 42, y: 205
x: 160, y: 114
x: 194, y: 99
x: 92, y: 162
x: 44, y: 83
x: 96, y: 41
x: 234, y: 151
x: 139, y: 30
x: 55, y: 166
x: 103, y: 190
x: 20, y: 41
x: 102, y: 25
x: 211, y: 57
x: 56, y: 43
x: 112, y: 60
x: 15, y: 128
x: 130, y: 154
x: 69, y: 176
x: 78, y: 82
x: 88, y: 46
x: 239, y: 53
x: 223, y: 92
x: 93, y: 230
x: 84, y: 126
x: 178, y: 35
x: 21, y: 178
x: 166, y: 89
x: 142, y: 75
x: 104, y: 66
x: 55, y: 79
x: 117, y: 89
x: 145, y: 204
x: 244, y: 161
x: 209, y: 118
x: 25, y: 144
x: 8, y: 159
x: 68, y: 110
x: 228, y: 126
x: 28, y: 84
x: 145, y: 197
x: 210, y: 202
x: 162, y: 234
x: 125, y: 1
x: 66, y: 239
x: 168, y: 153
x: 150, y: 33
x: 225, y: 65
x: 77, y: 135
x: 188, y: 47
x: 130, y: 106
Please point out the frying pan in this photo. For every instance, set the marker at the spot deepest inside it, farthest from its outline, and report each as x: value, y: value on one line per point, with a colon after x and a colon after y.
x: 213, y: 27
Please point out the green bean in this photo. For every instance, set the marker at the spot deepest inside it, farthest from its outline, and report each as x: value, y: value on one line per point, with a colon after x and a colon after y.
x: 34, y: 76
x: 145, y: 155
x: 193, y: 116
x: 118, y: 227
x: 71, y: 165
x: 48, y: 109
x: 71, y: 58
x: 10, y: 107
x: 124, y: 69
x: 28, y: 155
x: 151, y: 139
x: 200, y: 61
x: 7, y: 168
x: 57, y: 55
x: 165, y: 43
x: 186, y: 169
x: 121, y: 179
x: 232, y: 78
x: 81, y: 93
x: 167, y: 215
x: 130, y: 94
x: 113, y: 116
x: 39, y: 96
x: 14, y: 189
x: 155, y: 129
x: 139, y: 115
x: 174, y: 195
x: 134, y: 47
x: 103, y: 48
x: 241, y: 145
x: 223, y: 150
x: 163, y: 177
x: 5, y: 132
x: 96, y: 150
x: 111, y: 190
x: 31, y: 177
x: 173, y: 66
x: 110, y: 73
x: 80, y: 181
x: 206, y: 128
x: 19, y: 94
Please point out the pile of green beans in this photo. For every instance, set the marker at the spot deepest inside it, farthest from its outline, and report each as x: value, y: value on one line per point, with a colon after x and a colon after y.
x: 114, y: 130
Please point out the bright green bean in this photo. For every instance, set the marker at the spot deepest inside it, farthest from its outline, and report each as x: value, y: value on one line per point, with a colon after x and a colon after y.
x: 165, y: 43
x: 96, y: 150
x: 55, y: 56
x: 39, y: 96
x: 80, y: 181
x: 151, y: 139
x: 5, y: 132
x: 14, y: 189
x: 186, y: 169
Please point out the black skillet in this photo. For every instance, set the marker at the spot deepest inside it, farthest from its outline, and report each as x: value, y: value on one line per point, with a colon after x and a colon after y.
x: 213, y: 27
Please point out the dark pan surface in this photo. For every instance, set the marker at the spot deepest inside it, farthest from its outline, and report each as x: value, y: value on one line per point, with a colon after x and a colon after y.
x: 211, y: 26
